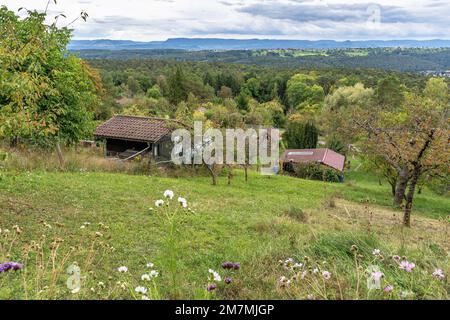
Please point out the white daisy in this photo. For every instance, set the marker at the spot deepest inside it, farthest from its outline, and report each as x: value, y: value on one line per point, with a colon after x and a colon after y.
x: 141, y: 290
x: 154, y: 274
x: 159, y: 203
x: 169, y: 194
x: 145, y: 277
x: 182, y: 202
x: 122, y: 269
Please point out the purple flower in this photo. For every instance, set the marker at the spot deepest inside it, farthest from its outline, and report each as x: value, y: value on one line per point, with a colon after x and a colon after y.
x: 407, y: 266
x: 10, y: 266
x: 326, y: 275
x: 231, y: 266
x: 228, y: 280
x: 439, y: 274
x: 212, y: 287
x: 389, y: 289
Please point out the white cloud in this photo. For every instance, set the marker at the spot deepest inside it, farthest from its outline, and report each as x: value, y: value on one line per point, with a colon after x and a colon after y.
x: 145, y: 20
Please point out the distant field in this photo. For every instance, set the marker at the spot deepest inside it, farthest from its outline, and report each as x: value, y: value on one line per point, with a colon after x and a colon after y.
x: 256, y: 224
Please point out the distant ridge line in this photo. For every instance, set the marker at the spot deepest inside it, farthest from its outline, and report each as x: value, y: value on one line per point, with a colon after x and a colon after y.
x: 196, y: 44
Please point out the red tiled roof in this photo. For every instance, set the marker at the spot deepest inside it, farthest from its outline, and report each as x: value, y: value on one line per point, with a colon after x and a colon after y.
x: 325, y: 156
x: 134, y: 128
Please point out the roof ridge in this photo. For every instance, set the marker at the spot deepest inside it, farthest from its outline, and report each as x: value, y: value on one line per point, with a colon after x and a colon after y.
x: 149, y: 118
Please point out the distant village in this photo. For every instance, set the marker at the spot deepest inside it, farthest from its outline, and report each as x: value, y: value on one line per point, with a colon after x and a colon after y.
x: 442, y: 74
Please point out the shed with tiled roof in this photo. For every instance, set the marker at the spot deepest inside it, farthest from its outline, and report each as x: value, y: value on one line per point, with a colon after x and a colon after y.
x: 126, y: 136
x: 323, y: 156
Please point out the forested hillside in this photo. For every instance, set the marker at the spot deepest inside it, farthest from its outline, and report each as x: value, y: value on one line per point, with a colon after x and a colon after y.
x: 406, y: 60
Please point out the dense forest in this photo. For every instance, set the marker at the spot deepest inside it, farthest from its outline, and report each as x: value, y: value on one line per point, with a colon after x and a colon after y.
x: 399, y: 59
x: 158, y: 87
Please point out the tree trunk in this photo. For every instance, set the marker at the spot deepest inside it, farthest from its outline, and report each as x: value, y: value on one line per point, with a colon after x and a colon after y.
x: 230, y: 175
x: 212, y: 173
x: 400, y: 190
x: 410, y: 198
x: 14, y: 142
x: 60, y: 155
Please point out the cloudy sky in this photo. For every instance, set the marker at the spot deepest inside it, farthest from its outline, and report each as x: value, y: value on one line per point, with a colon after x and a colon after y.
x: 146, y: 20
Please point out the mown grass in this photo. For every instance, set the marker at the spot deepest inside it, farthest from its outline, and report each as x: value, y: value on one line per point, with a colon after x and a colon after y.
x: 254, y: 223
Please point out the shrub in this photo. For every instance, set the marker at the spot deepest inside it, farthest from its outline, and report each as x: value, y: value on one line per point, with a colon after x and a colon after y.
x: 316, y: 171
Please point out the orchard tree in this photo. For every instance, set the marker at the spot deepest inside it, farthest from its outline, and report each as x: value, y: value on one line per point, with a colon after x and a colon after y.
x: 412, y: 138
x: 47, y: 95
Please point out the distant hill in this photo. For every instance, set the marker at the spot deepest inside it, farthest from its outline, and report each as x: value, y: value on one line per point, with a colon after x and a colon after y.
x: 195, y: 44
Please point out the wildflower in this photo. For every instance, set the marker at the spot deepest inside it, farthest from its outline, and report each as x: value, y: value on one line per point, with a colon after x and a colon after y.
x: 304, y: 274
x: 122, y: 269
x: 439, y: 274
x: 396, y: 258
x: 159, y: 203
x: 14, y: 266
x: 298, y: 266
x: 388, y: 289
x: 326, y: 275
x: 311, y: 297
x: 377, y: 275
x: 284, y: 282
x: 315, y: 271
x: 376, y: 252
x: 407, y: 266
x: 145, y: 277
x: 169, y: 194
x: 211, y: 287
x: 150, y: 265
x: 354, y: 248
x: 154, y: 274
x: 145, y: 298
x: 182, y: 202
x: 216, y: 275
x: 228, y: 265
x: 141, y: 290
x: 228, y: 280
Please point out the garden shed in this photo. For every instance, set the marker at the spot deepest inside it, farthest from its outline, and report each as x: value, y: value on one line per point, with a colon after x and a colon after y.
x: 325, y: 157
x: 128, y: 137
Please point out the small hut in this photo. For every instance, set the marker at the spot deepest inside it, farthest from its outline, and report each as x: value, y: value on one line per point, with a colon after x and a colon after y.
x: 324, y: 157
x: 128, y: 137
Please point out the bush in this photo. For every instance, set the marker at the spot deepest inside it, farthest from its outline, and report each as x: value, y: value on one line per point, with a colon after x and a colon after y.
x: 316, y: 171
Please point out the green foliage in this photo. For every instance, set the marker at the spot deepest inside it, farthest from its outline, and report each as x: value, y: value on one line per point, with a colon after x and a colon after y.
x: 46, y: 94
x: 390, y: 92
x: 336, y: 145
x: 301, y: 135
x: 302, y: 90
x: 316, y: 171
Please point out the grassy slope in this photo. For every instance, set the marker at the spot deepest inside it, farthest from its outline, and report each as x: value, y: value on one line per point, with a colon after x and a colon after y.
x: 243, y: 222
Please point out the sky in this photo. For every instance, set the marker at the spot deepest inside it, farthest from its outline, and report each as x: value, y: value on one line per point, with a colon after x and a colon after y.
x: 150, y: 20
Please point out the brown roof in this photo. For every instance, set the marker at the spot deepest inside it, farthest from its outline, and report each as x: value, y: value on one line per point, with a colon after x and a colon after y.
x: 324, y: 156
x: 134, y: 128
